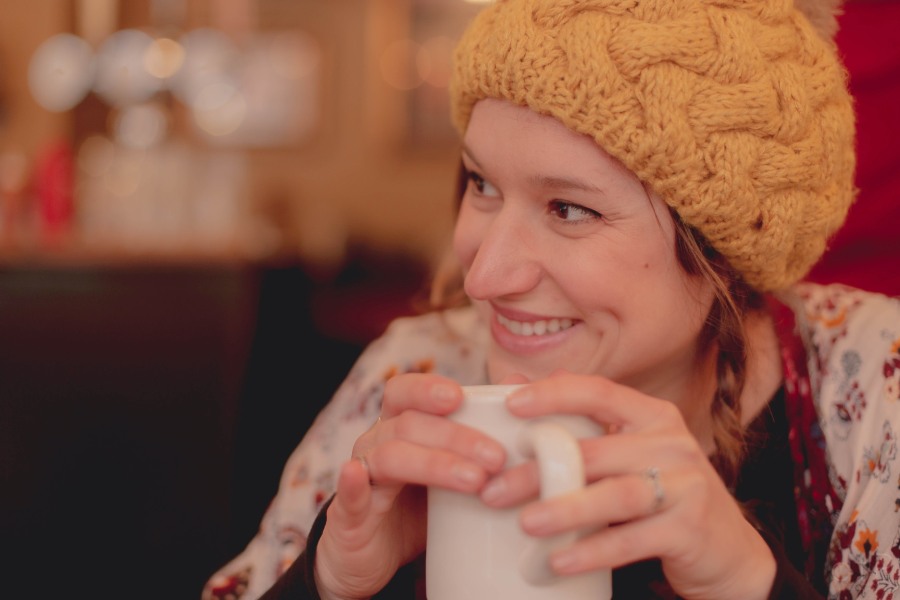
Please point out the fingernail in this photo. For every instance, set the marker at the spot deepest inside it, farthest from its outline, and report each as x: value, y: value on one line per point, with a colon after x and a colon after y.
x: 444, y: 393
x: 519, y: 398
x: 489, y: 455
x: 564, y: 561
x: 467, y: 474
x: 494, y: 490
x: 535, y: 520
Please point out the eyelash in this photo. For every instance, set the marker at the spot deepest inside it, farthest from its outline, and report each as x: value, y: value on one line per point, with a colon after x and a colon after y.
x: 560, y: 208
x: 476, y: 180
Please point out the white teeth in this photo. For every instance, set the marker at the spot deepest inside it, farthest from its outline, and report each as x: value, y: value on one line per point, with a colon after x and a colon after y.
x: 534, y: 327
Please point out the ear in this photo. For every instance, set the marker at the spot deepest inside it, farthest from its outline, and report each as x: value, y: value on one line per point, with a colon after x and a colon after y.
x: 822, y: 14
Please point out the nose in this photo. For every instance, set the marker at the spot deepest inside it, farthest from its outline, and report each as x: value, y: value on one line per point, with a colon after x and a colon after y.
x: 507, y: 260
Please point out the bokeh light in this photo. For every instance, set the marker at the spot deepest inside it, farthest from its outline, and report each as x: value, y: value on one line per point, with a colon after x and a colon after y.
x: 396, y: 65
x: 61, y: 72
x: 122, y: 77
x: 163, y: 58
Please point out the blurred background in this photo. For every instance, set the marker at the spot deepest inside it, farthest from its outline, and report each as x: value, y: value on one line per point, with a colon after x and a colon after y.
x: 207, y: 208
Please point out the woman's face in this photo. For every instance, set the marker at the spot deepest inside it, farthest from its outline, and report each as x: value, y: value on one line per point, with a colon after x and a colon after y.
x: 568, y: 260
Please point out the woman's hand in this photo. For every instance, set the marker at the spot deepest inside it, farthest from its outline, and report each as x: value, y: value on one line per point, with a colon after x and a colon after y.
x: 686, y: 517
x: 376, y: 522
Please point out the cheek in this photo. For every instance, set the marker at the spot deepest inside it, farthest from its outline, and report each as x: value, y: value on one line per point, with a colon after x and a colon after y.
x: 466, y: 237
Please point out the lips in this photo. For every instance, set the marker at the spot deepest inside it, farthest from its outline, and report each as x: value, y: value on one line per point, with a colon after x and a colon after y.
x: 523, y: 334
x: 534, y: 328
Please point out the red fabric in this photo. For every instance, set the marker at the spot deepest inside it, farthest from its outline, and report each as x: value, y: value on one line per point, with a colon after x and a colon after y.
x: 866, y: 252
x: 817, y: 502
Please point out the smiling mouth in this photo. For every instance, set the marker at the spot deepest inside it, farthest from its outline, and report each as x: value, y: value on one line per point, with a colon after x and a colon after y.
x: 542, y: 327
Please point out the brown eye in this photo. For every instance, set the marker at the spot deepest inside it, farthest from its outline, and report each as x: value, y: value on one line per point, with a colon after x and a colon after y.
x: 481, y: 186
x: 569, y: 212
x: 477, y: 181
x: 560, y: 209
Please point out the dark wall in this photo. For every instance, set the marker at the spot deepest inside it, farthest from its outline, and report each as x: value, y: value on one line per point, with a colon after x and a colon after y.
x: 118, y: 396
x: 146, y: 414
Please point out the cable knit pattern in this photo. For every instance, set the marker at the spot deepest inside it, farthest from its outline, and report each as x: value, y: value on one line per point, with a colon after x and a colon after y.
x: 736, y: 112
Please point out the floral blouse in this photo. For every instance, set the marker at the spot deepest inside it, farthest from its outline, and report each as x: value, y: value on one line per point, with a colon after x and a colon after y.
x: 841, y: 350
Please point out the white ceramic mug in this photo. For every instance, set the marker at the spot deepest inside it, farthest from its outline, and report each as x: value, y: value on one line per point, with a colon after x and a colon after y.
x: 476, y: 552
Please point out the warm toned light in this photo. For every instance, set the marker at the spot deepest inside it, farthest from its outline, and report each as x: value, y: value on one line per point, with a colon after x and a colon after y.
x: 122, y: 77
x: 163, y: 58
x: 209, y: 57
x: 294, y: 55
x: 396, y: 65
x: 141, y: 125
x: 434, y: 61
x: 219, y: 109
x: 124, y: 177
x: 96, y: 155
x: 61, y: 72
x: 96, y: 19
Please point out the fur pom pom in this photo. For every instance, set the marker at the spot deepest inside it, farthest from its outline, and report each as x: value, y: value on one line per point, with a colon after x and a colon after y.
x: 823, y: 14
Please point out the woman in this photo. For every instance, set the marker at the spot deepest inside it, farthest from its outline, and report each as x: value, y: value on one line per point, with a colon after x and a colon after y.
x: 645, y: 183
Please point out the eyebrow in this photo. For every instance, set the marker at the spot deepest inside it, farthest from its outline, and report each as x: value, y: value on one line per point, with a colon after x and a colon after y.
x: 548, y: 181
x: 565, y: 183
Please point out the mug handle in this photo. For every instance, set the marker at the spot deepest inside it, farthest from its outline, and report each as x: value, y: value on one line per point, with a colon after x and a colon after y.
x: 561, y: 467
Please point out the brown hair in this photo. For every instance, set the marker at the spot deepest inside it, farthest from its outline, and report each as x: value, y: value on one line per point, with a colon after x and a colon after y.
x: 722, y: 333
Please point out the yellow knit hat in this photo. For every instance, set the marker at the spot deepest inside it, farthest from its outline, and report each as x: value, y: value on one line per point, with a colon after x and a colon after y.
x: 736, y: 112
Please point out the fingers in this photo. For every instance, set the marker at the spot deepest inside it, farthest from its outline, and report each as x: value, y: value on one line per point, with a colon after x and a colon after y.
x: 711, y: 563
x: 413, y: 443
x: 420, y: 391
x: 512, y: 486
x: 615, y: 546
x: 359, y: 507
x: 652, y: 477
x: 400, y: 461
x: 437, y: 432
x: 353, y: 498
x: 361, y: 544
x: 628, y: 453
x: 627, y: 519
x: 426, y: 449
x: 611, y: 500
x: 607, y: 456
x: 599, y: 398
x: 353, y: 490
x: 645, y: 514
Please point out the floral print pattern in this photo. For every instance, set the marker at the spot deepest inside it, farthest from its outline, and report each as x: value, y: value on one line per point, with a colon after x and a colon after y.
x: 850, y: 339
x: 451, y: 343
x: 842, y: 369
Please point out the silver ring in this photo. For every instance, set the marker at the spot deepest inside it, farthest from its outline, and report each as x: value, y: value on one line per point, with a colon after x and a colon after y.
x: 362, y: 460
x: 651, y: 474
